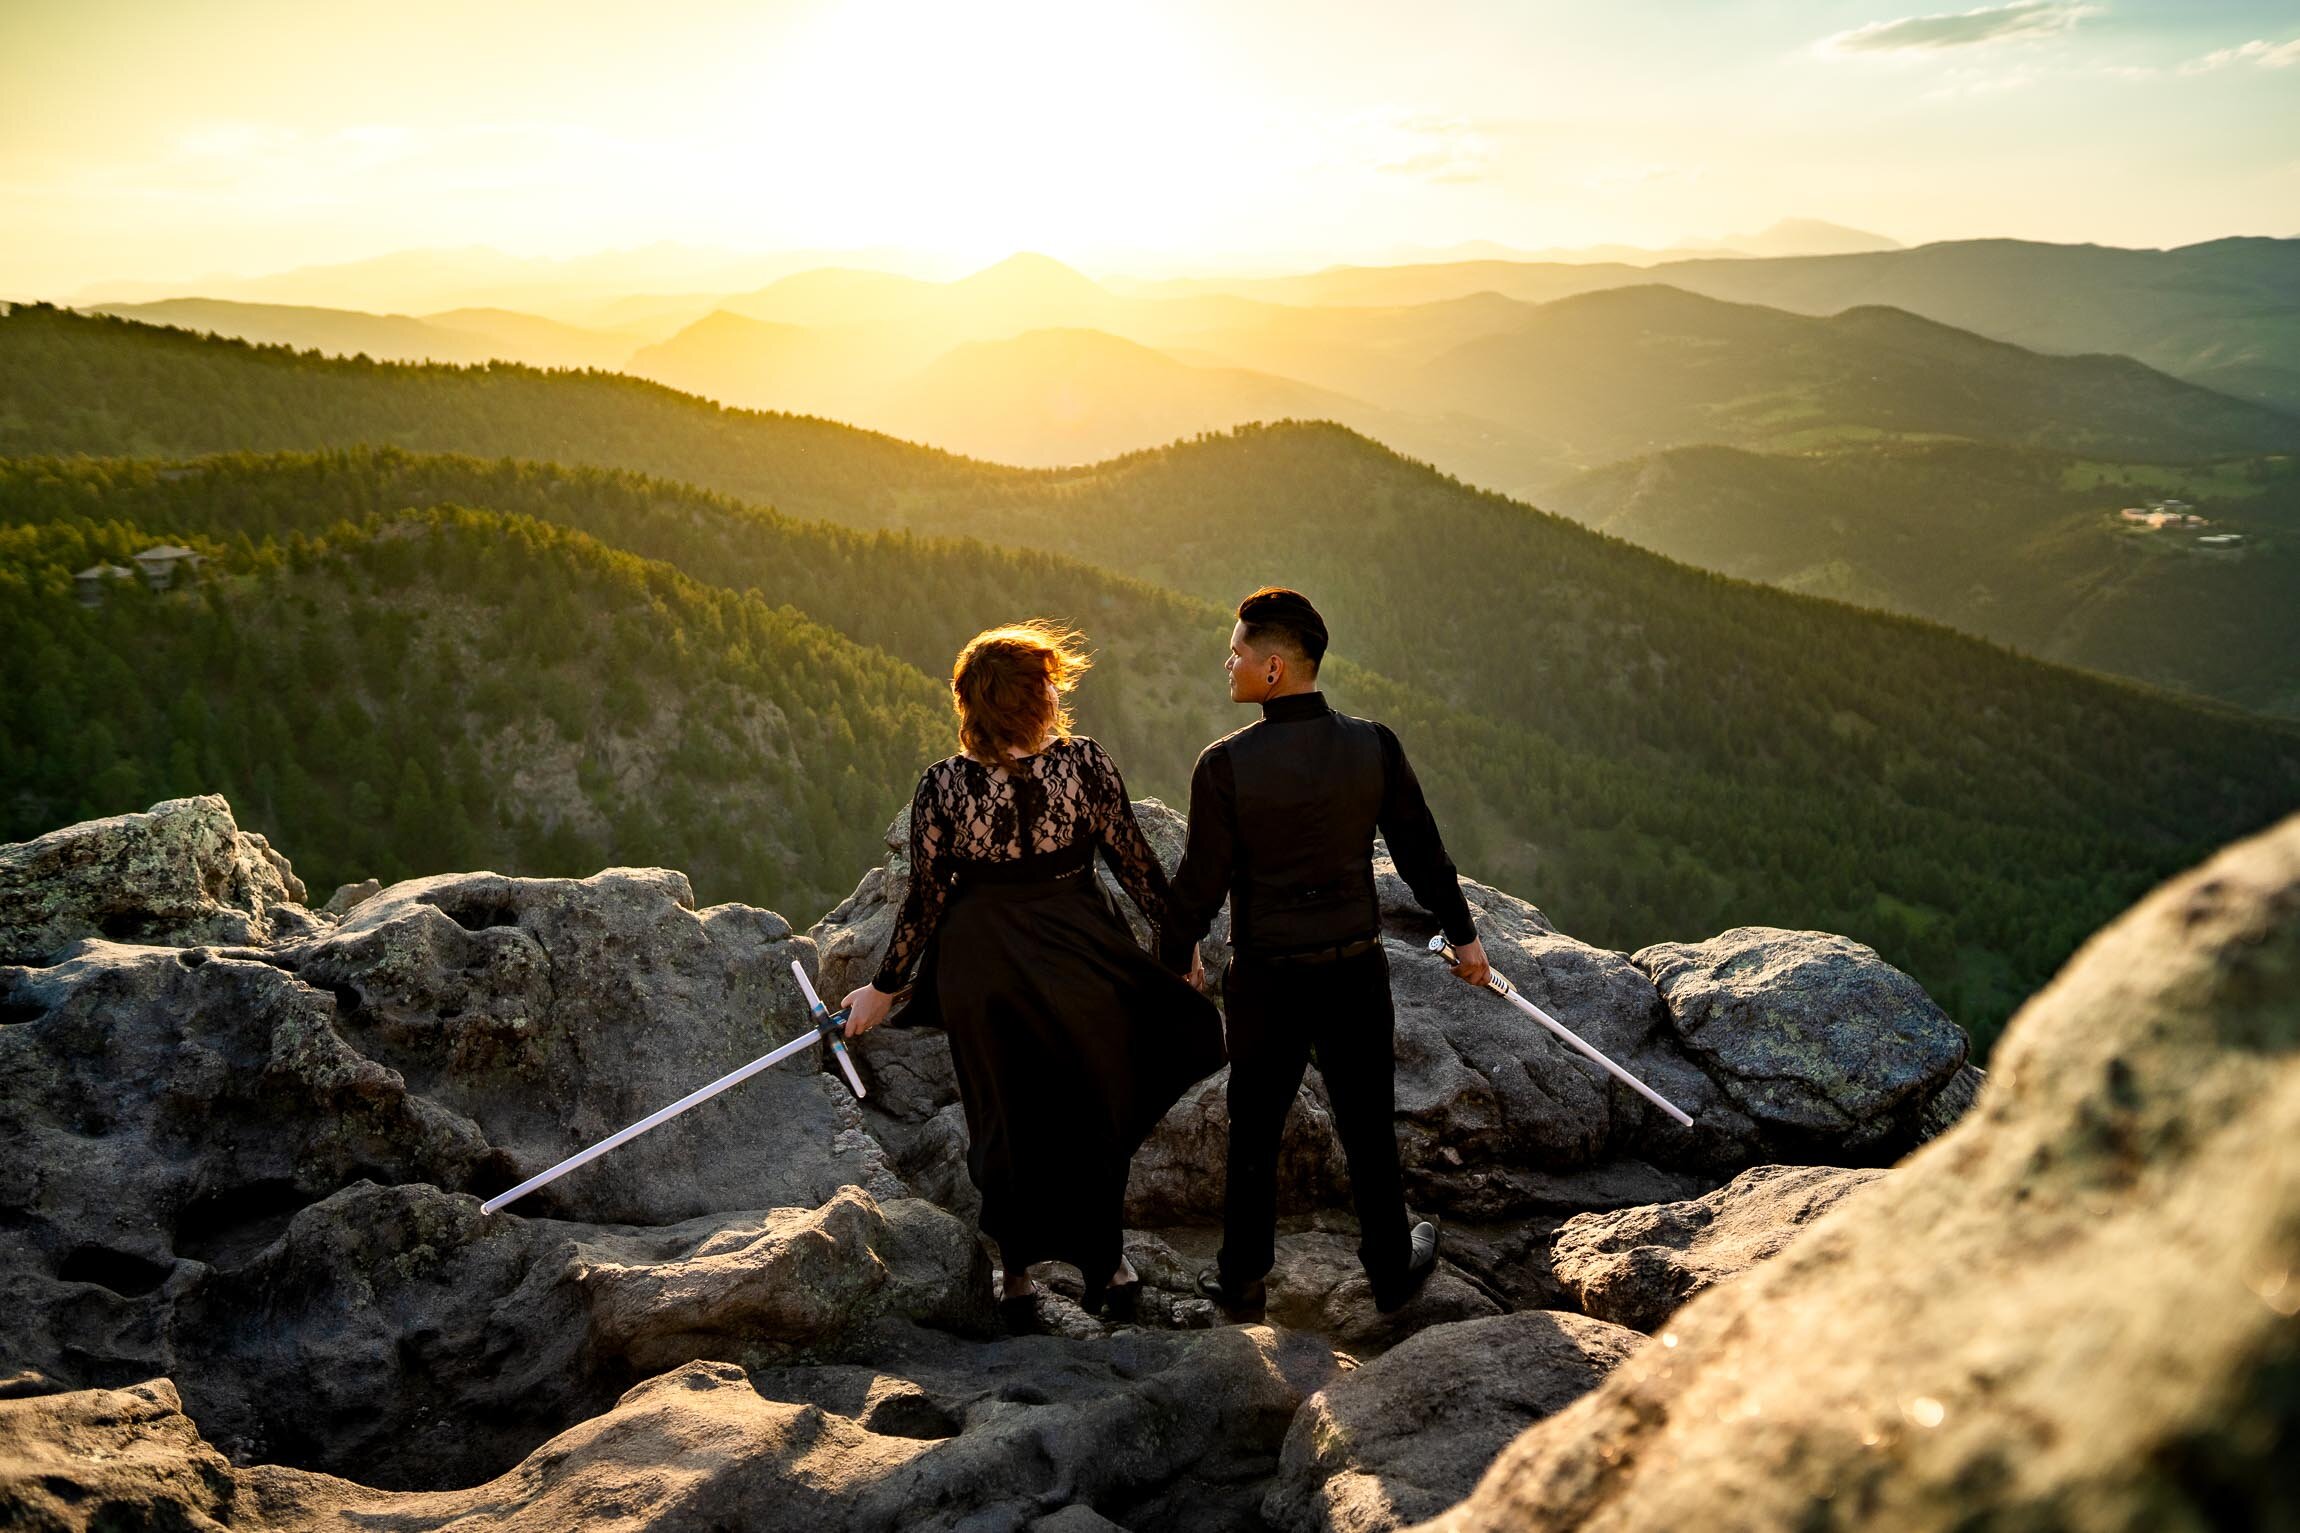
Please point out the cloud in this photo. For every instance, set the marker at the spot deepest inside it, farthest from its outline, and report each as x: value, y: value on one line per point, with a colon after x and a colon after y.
x: 2021, y: 21
x: 2259, y: 51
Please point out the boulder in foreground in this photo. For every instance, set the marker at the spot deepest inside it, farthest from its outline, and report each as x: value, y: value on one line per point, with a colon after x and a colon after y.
x: 2079, y: 1308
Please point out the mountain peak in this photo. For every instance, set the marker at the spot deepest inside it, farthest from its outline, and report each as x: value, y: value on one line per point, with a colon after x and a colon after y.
x: 1809, y: 236
x: 1040, y: 274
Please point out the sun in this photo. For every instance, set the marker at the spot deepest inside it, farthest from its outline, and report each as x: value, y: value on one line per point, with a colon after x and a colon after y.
x: 974, y: 130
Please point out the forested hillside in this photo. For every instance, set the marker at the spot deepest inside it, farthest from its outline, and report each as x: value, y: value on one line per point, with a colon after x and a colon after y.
x: 456, y: 688
x: 1635, y: 369
x: 2025, y: 547
x: 95, y: 384
x: 1646, y: 750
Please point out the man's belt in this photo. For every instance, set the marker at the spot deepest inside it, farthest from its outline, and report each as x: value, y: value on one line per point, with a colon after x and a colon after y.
x: 1316, y: 954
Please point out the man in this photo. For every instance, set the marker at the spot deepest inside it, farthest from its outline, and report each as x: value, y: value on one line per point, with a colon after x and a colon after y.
x: 1282, y: 820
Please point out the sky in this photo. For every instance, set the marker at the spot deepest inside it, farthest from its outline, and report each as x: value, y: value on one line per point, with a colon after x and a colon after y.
x: 166, y: 139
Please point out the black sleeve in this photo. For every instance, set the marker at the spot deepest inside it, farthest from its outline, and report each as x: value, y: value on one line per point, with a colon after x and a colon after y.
x: 1412, y: 833
x: 922, y: 905
x: 1202, y: 881
x: 1120, y: 837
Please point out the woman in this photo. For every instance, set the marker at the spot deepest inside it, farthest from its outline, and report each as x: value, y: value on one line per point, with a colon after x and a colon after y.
x: 1070, y: 1041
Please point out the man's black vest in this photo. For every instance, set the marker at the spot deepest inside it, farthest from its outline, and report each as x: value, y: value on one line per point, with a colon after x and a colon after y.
x: 1308, y: 792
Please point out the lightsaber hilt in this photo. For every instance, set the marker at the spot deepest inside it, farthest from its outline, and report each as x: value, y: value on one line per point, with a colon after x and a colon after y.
x: 1499, y: 984
x: 827, y: 1028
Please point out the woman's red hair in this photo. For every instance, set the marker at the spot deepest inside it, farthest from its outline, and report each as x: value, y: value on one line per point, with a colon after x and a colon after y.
x: 998, y: 686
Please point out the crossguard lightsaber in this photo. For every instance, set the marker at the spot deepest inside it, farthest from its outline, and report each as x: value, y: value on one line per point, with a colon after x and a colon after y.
x: 1499, y: 984
x: 826, y: 1033
x: 827, y: 1028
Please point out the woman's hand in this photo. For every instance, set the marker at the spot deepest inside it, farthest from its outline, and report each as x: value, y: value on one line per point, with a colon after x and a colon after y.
x: 1197, y: 974
x: 866, y: 1007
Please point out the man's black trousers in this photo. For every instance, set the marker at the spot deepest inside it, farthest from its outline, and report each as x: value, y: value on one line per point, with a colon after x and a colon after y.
x: 1279, y: 1017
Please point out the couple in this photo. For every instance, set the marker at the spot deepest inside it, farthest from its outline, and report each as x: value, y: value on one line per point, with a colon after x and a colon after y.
x: 1070, y: 1042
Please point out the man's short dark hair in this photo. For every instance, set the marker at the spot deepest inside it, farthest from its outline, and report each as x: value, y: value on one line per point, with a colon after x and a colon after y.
x: 1275, y: 613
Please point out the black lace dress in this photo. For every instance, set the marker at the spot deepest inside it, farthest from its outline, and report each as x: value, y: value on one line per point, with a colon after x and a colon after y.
x: 1070, y: 1041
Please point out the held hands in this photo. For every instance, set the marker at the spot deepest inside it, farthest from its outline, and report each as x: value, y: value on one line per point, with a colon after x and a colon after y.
x: 1469, y: 965
x: 866, y: 1007
x: 1197, y: 974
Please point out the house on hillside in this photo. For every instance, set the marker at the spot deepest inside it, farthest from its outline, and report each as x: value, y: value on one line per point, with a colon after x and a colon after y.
x: 89, y: 583
x: 159, y: 564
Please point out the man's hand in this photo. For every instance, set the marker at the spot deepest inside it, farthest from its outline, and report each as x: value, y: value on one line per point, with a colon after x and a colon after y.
x: 1469, y: 965
x: 866, y: 1007
x: 1197, y: 974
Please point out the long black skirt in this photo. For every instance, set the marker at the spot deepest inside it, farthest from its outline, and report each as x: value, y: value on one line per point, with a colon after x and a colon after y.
x: 1070, y: 1043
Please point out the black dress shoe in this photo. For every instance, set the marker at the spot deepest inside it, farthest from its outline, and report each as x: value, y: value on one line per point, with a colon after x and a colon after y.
x: 1420, y: 1263
x: 1121, y: 1302
x: 1246, y: 1302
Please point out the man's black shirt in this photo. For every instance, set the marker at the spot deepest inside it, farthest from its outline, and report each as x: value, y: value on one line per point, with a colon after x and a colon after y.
x: 1282, y: 820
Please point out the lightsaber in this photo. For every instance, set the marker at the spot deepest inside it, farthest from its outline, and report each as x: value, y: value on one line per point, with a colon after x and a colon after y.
x: 826, y: 1032
x: 1499, y: 984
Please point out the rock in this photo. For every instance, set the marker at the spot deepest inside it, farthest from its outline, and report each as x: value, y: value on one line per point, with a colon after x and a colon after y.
x: 1822, y: 1043
x: 182, y: 873
x: 348, y: 895
x: 1635, y: 1267
x: 1409, y: 1434
x: 1146, y: 1432
x: 435, y: 1345
x: 554, y: 1011
x: 1493, y: 1109
x: 109, y: 1458
x: 1316, y: 1284
x: 2079, y: 1307
x: 1510, y: 1260
x: 162, y: 1112
x: 1180, y: 1173
x: 1951, y: 1102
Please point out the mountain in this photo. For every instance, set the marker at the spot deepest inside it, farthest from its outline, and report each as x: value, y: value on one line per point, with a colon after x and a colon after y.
x: 1805, y: 236
x: 1052, y: 397
x: 338, y: 332
x: 537, y: 341
x: 765, y: 365
x: 459, y: 335
x: 1649, y: 749
x: 2027, y: 548
x: 160, y: 391
x: 479, y: 276
x: 1613, y: 373
x: 2224, y: 314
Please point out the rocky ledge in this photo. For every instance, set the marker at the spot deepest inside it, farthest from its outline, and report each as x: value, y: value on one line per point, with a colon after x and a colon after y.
x: 243, y: 1144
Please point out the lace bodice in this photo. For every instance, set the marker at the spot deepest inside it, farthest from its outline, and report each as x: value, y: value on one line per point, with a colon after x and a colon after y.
x: 1051, y: 811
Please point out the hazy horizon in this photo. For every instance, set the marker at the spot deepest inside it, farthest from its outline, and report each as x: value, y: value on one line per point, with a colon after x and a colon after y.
x: 244, y: 137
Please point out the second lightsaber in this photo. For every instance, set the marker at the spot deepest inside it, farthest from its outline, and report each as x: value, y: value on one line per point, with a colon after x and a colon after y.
x: 1499, y: 984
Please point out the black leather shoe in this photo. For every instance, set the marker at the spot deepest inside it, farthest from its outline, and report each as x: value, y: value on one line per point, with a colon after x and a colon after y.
x: 1420, y: 1263
x: 1246, y: 1302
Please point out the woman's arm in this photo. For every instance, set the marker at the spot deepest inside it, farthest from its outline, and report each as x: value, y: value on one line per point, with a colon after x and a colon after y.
x: 1123, y: 844
x: 914, y: 923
